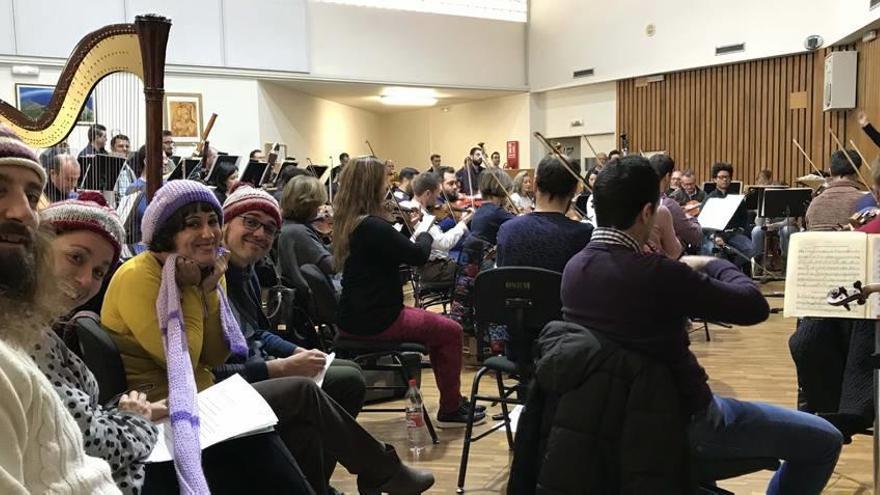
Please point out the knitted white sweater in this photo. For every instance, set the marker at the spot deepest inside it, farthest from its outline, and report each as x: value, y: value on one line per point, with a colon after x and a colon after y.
x: 42, y: 447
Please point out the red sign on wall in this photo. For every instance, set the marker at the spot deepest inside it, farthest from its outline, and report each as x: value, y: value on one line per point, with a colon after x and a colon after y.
x: 513, y: 154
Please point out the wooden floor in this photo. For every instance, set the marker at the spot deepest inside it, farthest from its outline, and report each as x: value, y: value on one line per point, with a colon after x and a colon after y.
x: 751, y: 363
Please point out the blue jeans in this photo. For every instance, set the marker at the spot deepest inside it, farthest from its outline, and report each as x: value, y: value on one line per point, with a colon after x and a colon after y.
x: 738, y: 241
x: 731, y: 429
x: 758, y: 235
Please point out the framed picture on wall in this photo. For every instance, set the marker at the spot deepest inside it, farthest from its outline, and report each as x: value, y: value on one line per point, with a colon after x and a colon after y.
x: 33, y: 100
x: 183, y: 117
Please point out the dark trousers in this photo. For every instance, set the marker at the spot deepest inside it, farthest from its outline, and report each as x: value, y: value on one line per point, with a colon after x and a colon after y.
x: 344, y: 383
x: 438, y: 273
x: 833, y: 361
x: 318, y: 432
x: 258, y: 464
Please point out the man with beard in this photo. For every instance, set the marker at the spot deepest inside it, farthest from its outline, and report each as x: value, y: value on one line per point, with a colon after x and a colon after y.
x: 42, y: 445
x: 469, y: 175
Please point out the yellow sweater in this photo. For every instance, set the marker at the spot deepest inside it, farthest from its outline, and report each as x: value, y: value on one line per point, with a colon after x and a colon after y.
x: 129, y: 312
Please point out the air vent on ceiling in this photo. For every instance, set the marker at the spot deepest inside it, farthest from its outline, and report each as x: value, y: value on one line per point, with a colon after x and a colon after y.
x: 724, y: 50
x: 583, y: 73
x: 874, y: 3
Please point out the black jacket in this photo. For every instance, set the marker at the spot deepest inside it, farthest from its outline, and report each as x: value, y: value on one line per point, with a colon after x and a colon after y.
x: 599, y: 420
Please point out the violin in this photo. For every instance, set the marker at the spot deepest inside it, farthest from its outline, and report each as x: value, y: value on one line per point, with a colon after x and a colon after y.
x: 408, y: 217
x: 860, y: 219
x: 842, y: 297
x: 692, y: 208
x: 442, y: 212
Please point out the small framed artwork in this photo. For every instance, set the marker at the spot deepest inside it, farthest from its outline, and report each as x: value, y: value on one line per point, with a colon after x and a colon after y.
x: 33, y: 100
x: 183, y: 117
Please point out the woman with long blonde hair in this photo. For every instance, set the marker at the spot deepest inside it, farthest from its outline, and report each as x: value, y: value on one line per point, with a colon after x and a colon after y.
x: 369, y: 251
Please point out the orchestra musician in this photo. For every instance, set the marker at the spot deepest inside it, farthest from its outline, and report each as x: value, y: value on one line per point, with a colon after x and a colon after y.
x: 403, y: 191
x: 493, y: 212
x: 496, y: 159
x: 674, y: 183
x: 370, y: 251
x: 435, y: 163
x: 257, y: 155
x: 97, y: 135
x: 686, y: 228
x: 524, y: 191
x: 689, y: 191
x: 734, y: 234
x: 833, y: 208
x: 440, y: 268
x: 63, y: 179
x: 300, y: 243
x: 469, y: 175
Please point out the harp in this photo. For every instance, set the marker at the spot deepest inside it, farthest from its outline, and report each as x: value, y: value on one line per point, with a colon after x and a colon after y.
x: 137, y: 48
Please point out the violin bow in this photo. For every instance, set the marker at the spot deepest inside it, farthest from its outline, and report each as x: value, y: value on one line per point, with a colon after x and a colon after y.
x: 867, y: 164
x: 849, y: 159
x: 564, y: 160
x: 373, y: 153
x: 806, y: 156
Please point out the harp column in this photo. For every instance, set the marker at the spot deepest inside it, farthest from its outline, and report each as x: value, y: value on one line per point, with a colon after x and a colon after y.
x: 153, y: 36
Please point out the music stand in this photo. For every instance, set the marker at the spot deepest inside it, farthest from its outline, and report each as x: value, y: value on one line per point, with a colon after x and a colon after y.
x: 176, y: 159
x: 316, y: 171
x: 755, y: 195
x: 735, y: 187
x: 192, y: 168
x: 255, y: 173
x: 788, y: 203
x: 212, y: 174
x: 100, y: 172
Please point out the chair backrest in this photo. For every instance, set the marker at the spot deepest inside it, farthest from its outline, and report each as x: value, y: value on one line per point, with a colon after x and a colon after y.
x: 522, y: 298
x: 101, y: 355
x: 324, y: 300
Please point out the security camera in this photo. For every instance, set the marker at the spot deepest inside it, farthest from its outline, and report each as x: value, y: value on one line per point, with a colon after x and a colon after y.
x: 813, y: 43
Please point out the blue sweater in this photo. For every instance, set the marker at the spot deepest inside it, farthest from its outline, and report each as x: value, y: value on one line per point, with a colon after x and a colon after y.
x: 642, y: 301
x: 541, y: 239
x: 486, y: 221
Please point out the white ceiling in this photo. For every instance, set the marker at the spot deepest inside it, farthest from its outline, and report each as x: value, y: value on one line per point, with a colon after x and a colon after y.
x: 366, y: 96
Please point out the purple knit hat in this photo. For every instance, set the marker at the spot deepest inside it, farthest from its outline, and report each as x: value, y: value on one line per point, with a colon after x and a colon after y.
x: 14, y: 152
x: 171, y: 197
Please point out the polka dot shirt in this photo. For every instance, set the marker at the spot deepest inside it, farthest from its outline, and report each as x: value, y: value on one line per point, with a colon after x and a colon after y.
x: 122, y: 439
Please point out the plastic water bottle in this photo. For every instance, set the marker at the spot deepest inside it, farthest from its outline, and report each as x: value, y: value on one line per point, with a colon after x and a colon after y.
x: 416, y: 431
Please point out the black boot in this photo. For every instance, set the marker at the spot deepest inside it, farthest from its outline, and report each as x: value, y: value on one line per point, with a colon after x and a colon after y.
x: 404, y: 481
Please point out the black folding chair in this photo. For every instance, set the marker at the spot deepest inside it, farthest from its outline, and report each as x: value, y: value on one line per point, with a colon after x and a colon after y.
x: 366, y: 353
x: 101, y: 355
x: 524, y: 299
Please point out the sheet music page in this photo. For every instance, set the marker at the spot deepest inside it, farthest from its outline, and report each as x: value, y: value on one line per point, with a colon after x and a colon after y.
x: 718, y: 211
x: 819, y: 262
x: 229, y: 409
x: 873, y: 275
x: 319, y: 378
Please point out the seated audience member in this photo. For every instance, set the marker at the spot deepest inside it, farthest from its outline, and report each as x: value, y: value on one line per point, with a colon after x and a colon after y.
x: 86, y: 244
x: 299, y: 243
x: 403, y: 192
x: 599, y: 286
x: 734, y: 234
x: 687, y: 229
x: 440, y: 268
x: 688, y: 191
x: 493, y: 212
x: 523, y: 193
x: 545, y: 238
x: 42, y: 447
x: 63, y: 179
x: 370, y: 251
x: 225, y: 177
x: 251, y: 219
x: 183, y: 273
x: 833, y: 207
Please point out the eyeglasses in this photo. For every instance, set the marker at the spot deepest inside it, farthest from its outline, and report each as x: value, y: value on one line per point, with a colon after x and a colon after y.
x: 253, y: 225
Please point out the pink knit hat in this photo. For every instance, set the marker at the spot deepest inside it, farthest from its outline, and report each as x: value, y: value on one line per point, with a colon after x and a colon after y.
x: 245, y: 198
x: 88, y: 212
x: 14, y: 152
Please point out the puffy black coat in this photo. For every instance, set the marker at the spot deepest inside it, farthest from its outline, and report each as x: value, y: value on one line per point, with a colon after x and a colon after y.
x: 599, y: 420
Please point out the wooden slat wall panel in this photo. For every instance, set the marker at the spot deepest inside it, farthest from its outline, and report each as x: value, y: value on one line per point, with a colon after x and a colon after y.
x: 741, y: 113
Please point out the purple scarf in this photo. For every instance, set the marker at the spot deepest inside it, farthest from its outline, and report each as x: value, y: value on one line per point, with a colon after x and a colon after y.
x: 182, y: 405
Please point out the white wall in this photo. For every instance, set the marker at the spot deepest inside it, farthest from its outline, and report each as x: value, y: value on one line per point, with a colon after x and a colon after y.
x: 370, y: 44
x: 314, y: 127
x: 611, y: 37
x: 411, y: 137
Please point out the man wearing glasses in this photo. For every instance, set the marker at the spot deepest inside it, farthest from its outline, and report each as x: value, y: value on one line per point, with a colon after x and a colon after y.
x: 732, y: 242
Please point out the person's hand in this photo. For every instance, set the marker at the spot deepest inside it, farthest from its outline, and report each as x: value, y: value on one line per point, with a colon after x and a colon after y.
x: 697, y: 263
x: 862, y: 118
x: 466, y: 217
x: 217, y: 271
x: 136, y: 403
x: 158, y: 410
x: 306, y: 363
x: 188, y: 273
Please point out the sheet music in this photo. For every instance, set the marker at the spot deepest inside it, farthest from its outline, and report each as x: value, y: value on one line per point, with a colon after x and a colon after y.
x: 819, y: 262
x: 717, y: 212
x: 126, y: 206
x: 873, y: 311
x: 229, y: 409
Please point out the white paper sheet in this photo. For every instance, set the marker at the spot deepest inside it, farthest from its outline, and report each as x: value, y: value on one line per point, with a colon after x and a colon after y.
x: 229, y: 409
x: 319, y: 378
x: 717, y: 212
